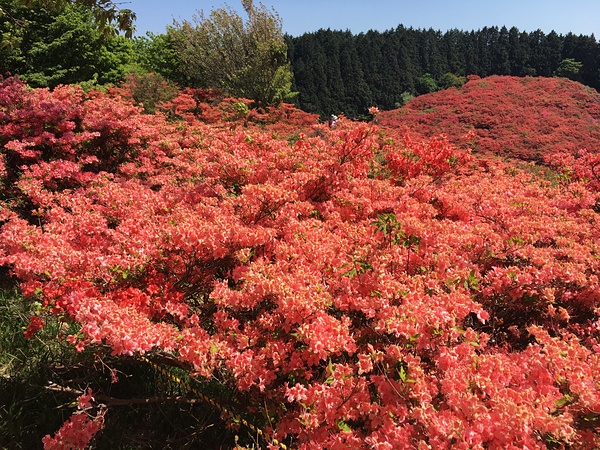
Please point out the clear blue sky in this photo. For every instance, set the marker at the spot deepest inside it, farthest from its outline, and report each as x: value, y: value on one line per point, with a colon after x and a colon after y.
x: 300, y: 16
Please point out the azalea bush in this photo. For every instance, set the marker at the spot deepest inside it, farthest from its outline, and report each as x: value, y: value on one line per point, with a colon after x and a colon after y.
x: 349, y: 287
x: 524, y: 117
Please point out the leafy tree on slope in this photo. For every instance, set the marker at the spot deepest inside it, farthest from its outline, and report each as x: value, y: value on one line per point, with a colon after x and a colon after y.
x: 243, y: 58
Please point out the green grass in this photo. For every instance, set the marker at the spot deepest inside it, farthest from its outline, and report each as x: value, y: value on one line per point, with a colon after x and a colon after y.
x: 28, y: 410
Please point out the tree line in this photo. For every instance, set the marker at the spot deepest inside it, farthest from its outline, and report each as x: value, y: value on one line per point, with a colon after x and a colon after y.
x: 325, y: 72
x: 339, y: 71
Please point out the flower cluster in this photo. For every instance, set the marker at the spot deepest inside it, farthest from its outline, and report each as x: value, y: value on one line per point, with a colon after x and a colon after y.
x: 78, y: 431
x: 355, y: 286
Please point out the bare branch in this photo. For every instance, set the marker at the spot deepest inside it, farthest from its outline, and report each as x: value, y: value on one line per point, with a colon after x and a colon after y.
x: 112, y: 401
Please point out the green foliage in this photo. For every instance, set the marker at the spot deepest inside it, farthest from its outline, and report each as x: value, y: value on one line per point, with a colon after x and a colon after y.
x: 405, y: 97
x: 243, y: 58
x: 569, y: 68
x: 49, y: 48
x: 155, y: 53
x: 14, y: 23
x: 426, y: 84
x: 391, y: 229
x: 241, y: 109
x: 27, y: 410
x: 107, y: 14
x: 40, y: 379
x: 449, y: 80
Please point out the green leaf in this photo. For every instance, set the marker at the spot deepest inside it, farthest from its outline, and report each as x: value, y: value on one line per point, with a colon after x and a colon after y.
x: 404, y: 376
x: 343, y: 426
x: 564, y: 401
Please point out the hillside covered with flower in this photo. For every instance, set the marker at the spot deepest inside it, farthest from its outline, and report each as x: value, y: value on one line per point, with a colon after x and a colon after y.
x: 429, y: 279
x: 528, y: 118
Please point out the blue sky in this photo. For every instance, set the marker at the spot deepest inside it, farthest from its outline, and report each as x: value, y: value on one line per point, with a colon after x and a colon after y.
x: 562, y: 16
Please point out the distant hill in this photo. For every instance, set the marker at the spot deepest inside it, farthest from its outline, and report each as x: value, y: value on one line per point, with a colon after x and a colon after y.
x: 511, y: 116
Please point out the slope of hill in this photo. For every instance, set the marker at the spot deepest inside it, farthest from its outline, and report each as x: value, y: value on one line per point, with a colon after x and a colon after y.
x: 520, y: 117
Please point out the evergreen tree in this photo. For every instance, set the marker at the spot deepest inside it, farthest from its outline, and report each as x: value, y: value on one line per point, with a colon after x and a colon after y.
x: 454, y: 51
x: 553, y: 53
x: 501, y: 52
x: 331, y: 42
x: 408, y: 63
x: 486, y: 37
x: 517, y: 52
x: 545, y: 51
x: 357, y: 95
x: 430, y: 56
x: 369, y: 47
x: 310, y: 76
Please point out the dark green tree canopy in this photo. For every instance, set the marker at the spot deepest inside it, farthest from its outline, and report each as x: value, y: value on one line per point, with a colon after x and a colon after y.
x: 336, y: 71
x: 48, y: 47
x: 108, y: 14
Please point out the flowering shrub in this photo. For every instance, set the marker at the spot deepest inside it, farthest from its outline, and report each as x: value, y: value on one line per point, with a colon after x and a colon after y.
x: 510, y: 116
x: 210, y: 106
x: 149, y: 90
x: 79, y: 430
x: 353, y: 291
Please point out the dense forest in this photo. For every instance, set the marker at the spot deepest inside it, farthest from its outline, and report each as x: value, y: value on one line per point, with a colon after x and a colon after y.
x: 338, y: 71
